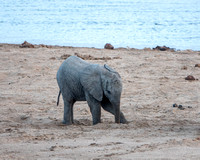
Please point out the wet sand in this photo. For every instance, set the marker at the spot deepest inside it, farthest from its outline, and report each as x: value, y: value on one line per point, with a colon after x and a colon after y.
x: 30, y: 121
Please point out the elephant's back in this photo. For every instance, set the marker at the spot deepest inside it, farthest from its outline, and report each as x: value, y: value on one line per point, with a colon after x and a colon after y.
x: 75, y: 63
x: 71, y: 68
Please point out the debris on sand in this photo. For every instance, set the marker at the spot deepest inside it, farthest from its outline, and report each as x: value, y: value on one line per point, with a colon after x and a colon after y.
x: 197, y: 65
x: 65, y: 56
x: 26, y: 45
x: 147, y: 49
x: 180, y: 106
x: 88, y: 57
x: 85, y: 57
x: 164, y: 48
x: 190, y: 78
x: 52, y: 58
x: 108, y: 46
x: 184, y: 68
x: 8, y: 130
x: 45, y: 46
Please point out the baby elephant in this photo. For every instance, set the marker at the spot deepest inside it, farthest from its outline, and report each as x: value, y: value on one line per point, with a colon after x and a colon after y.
x: 99, y: 85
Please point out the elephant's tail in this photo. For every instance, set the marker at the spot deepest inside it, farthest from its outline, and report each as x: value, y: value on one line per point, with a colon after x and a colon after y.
x: 58, y: 98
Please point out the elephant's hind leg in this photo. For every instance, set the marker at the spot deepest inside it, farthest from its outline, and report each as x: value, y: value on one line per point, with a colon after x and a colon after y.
x: 72, y: 112
x: 68, y: 112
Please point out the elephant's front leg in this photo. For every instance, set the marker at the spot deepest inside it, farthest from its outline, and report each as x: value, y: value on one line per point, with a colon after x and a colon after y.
x: 108, y: 107
x: 95, y: 109
x: 68, y: 113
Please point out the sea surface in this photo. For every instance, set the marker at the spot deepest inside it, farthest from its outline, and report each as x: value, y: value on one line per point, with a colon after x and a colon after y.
x: 92, y: 23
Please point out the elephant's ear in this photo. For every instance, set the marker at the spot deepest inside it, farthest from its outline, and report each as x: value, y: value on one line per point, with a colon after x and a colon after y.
x: 110, y: 69
x: 91, y: 81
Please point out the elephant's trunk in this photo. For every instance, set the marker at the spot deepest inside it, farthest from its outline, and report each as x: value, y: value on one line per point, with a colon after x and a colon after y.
x: 117, y: 113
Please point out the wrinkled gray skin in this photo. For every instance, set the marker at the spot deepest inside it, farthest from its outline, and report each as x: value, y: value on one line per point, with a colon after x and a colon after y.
x: 98, y: 85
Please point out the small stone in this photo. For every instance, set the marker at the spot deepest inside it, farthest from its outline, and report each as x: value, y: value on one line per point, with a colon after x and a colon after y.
x: 24, y: 117
x: 197, y: 65
x: 190, y: 78
x: 184, y: 68
x: 181, y: 107
x: 52, y: 148
x: 93, y: 144
x: 52, y: 58
x: 8, y: 129
x: 175, y: 105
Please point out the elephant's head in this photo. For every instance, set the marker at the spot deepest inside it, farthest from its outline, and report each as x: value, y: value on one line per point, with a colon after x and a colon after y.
x: 112, y: 88
x: 102, y: 81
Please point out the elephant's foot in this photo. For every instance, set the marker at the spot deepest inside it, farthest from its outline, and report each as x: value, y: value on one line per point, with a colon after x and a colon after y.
x: 96, y: 121
x: 123, y: 119
x: 67, y: 123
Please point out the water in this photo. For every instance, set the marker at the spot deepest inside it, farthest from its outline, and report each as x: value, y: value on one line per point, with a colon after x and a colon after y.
x: 92, y: 23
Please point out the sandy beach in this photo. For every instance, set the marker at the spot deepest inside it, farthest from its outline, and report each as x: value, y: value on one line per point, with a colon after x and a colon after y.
x: 153, y: 80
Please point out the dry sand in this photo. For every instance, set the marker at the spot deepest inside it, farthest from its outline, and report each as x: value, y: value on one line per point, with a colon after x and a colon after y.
x: 30, y: 121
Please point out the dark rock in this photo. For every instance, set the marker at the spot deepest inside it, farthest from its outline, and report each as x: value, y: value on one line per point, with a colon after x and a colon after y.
x: 175, y: 105
x: 190, y: 78
x: 108, y: 46
x: 181, y: 107
x: 164, y: 48
x: 26, y: 45
x: 197, y: 65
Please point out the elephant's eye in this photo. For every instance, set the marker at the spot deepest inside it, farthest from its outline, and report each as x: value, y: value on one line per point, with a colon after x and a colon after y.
x: 109, y: 92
